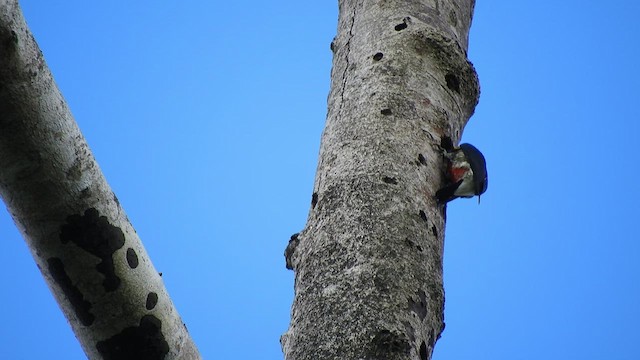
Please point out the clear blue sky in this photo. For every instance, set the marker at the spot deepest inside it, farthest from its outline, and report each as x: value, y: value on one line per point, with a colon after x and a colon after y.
x: 206, y: 119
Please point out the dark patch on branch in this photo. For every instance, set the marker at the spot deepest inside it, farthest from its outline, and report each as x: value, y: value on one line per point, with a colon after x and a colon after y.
x: 136, y: 342
x: 132, y: 258
x: 314, y: 200
x: 81, y: 307
x: 94, y: 234
x: 403, y: 25
x: 385, y: 112
x: 378, y: 56
x: 152, y: 300
x: 423, y: 215
x: 400, y: 26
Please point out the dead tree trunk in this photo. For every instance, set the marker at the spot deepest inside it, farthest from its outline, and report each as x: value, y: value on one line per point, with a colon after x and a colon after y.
x: 80, y: 238
x: 368, y: 264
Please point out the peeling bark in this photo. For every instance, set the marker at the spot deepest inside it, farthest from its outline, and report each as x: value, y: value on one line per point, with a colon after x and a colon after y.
x: 368, y: 264
x: 79, y: 236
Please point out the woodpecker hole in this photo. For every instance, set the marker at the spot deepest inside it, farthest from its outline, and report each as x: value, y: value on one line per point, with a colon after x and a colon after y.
x: 314, y: 200
x: 446, y: 143
x: 423, y: 215
x: 377, y: 56
x: 385, y: 112
x: 401, y: 26
x: 422, y: 160
x: 452, y: 82
x: 390, y: 180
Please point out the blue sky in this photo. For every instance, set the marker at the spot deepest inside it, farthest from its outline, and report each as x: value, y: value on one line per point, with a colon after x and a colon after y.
x: 206, y: 120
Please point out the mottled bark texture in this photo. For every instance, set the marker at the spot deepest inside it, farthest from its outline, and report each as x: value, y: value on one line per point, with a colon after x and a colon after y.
x: 80, y: 238
x: 368, y: 264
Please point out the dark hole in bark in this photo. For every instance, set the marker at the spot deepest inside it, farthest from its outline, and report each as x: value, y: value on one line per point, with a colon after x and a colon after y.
x: 401, y: 26
x: 452, y: 82
x: 446, y: 143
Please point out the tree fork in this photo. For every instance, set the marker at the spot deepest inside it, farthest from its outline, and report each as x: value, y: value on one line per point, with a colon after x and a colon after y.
x: 368, y: 264
x: 79, y: 236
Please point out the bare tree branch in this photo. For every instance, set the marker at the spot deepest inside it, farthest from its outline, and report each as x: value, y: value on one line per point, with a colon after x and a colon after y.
x: 81, y: 239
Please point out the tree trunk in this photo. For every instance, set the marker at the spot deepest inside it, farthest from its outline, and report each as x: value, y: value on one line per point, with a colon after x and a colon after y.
x: 368, y: 264
x: 80, y: 238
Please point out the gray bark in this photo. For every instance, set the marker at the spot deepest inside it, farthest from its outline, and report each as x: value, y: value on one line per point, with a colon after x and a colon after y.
x: 80, y: 238
x: 368, y: 264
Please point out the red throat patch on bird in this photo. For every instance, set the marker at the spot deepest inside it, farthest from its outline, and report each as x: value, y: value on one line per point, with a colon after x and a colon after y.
x: 457, y: 173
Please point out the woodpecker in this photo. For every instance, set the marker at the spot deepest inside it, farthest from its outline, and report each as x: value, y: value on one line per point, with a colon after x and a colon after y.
x: 466, y: 173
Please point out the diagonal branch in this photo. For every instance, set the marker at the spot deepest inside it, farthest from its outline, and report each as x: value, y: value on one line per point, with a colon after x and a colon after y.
x: 80, y: 238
